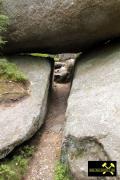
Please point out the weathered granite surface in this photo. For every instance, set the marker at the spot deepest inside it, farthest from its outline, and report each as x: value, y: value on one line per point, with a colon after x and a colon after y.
x: 92, y: 130
x: 19, y: 121
x: 58, y: 26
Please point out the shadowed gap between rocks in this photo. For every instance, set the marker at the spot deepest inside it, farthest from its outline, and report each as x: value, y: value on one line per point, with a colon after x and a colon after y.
x: 48, y: 140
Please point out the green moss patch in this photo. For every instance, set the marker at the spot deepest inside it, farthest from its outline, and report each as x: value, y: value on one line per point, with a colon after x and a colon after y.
x: 9, y: 71
x: 13, y: 83
x: 54, y: 57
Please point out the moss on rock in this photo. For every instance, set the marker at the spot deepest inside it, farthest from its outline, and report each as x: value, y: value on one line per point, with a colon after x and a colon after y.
x: 9, y: 71
x: 13, y: 83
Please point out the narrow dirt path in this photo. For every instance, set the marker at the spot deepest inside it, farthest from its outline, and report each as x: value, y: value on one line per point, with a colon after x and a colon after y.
x: 48, y: 140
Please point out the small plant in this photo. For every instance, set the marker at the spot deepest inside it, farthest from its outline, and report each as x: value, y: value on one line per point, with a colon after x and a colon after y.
x: 4, y: 21
x: 62, y: 172
x: 14, y: 167
x: 21, y: 163
x: 9, y: 71
x: 27, y: 151
x: 6, y: 173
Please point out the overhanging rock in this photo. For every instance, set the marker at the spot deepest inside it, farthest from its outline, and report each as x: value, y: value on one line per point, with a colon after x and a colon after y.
x: 57, y: 26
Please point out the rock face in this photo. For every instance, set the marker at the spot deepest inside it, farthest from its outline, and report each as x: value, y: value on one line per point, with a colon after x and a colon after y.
x: 59, y: 25
x: 92, y: 129
x: 19, y: 121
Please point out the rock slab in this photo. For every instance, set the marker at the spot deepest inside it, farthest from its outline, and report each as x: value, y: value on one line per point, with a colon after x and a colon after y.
x: 57, y: 26
x: 92, y: 131
x: 19, y: 121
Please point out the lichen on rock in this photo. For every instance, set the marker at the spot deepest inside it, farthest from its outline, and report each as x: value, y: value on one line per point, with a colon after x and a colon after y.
x: 76, y: 152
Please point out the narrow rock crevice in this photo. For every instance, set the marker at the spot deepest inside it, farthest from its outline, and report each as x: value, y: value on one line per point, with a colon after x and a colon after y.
x: 48, y: 141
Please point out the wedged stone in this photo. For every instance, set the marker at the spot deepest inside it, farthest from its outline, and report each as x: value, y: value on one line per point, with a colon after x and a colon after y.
x: 20, y: 120
x: 67, y: 56
x: 64, y: 71
x: 57, y: 26
x: 92, y: 130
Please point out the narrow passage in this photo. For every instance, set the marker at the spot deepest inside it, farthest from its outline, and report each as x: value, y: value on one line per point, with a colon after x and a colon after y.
x: 48, y: 139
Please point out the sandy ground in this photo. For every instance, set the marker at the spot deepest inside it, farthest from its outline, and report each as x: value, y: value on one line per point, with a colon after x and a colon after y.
x: 48, y: 140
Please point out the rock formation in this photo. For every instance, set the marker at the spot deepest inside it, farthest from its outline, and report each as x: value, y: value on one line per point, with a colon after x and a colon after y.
x: 58, y: 26
x: 19, y: 121
x: 92, y: 129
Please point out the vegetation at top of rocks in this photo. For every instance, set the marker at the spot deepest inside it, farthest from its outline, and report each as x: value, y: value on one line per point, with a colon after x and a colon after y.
x: 4, y: 21
x: 62, y: 172
x: 55, y: 57
x: 9, y: 71
x: 14, y: 167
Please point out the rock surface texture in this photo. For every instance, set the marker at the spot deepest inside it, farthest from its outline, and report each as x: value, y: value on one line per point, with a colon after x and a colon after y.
x: 92, y: 129
x: 57, y: 26
x: 19, y: 121
x: 67, y: 56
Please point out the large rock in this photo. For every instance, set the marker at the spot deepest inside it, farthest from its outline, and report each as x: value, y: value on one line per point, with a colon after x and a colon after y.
x: 92, y: 129
x: 60, y: 25
x: 19, y: 121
